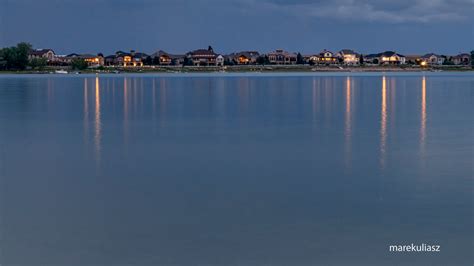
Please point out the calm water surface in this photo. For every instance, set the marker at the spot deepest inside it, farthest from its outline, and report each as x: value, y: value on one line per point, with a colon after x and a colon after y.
x: 270, y: 169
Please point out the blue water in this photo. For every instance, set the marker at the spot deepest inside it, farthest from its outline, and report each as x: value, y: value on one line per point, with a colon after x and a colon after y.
x: 236, y: 169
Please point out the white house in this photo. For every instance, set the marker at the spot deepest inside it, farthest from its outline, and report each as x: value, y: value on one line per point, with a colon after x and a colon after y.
x: 432, y: 59
x: 349, y: 57
x: 220, y: 60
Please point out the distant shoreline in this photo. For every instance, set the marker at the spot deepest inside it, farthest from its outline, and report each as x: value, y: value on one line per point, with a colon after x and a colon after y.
x: 250, y: 69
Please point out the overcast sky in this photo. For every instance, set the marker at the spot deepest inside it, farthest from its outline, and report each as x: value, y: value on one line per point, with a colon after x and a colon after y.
x: 177, y: 26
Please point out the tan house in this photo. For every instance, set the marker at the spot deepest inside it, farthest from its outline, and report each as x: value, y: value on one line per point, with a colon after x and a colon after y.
x: 348, y: 57
x: 327, y: 57
x: 131, y: 59
x: 93, y: 60
x: 202, y: 57
x: 385, y: 58
x: 392, y: 58
x: 281, y: 57
x: 244, y: 57
x: 432, y: 59
x: 462, y: 59
x: 162, y: 58
x: 42, y: 53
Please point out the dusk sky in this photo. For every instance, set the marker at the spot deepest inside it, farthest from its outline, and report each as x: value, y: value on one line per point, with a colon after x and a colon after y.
x: 177, y: 26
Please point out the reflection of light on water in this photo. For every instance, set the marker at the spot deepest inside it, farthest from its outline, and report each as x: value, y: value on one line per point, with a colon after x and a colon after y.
x: 125, y: 109
x: 314, y: 99
x: 86, y: 113
x: 383, y: 123
x: 97, y: 121
x: 423, y: 116
x: 348, y: 121
x: 163, y: 96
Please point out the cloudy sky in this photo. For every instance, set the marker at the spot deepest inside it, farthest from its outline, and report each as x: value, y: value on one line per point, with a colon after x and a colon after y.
x: 308, y: 26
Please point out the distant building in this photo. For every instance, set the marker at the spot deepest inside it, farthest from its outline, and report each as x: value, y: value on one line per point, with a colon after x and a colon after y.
x: 348, y: 57
x: 432, y: 59
x: 220, y: 60
x: 311, y: 59
x: 163, y: 58
x: 392, y: 58
x: 244, y: 57
x: 281, y: 57
x: 132, y: 59
x: 109, y: 60
x: 202, y: 57
x: 327, y: 57
x: 93, y: 60
x: 413, y: 59
x: 42, y: 53
x: 462, y: 59
x: 385, y: 58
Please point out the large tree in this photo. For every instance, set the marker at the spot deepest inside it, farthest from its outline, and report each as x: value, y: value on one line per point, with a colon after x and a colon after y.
x: 79, y: 64
x: 38, y: 63
x: 16, y: 57
x: 299, y: 59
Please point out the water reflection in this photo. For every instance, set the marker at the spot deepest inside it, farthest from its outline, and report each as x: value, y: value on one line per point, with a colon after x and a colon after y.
x: 163, y: 96
x: 97, y: 121
x: 348, y: 123
x: 383, y: 124
x: 423, y: 117
x: 86, y: 113
x: 125, y: 110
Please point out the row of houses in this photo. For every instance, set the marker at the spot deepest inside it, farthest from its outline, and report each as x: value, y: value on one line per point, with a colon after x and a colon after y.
x: 207, y: 57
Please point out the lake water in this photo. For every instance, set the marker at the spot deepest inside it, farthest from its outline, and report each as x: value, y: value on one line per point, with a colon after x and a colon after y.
x: 244, y: 169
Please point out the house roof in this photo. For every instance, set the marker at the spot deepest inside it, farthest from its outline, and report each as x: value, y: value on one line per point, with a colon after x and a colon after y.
x: 389, y: 54
x: 462, y: 55
x: 163, y: 53
x: 282, y: 52
x: 429, y: 55
x: 348, y: 51
x: 40, y: 52
x: 202, y: 52
x: 248, y: 54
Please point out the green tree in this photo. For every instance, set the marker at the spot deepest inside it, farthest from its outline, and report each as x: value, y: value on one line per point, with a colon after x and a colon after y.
x: 299, y: 59
x: 16, y: 57
x: 22, y: 50
x: 187, y: 61
x: 79, y: 64
x: 361, y: 59
x: 263, y: 60
x: 148, y: 61
x: 38, y: 63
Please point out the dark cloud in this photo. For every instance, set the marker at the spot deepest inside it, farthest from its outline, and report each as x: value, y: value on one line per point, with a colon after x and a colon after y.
x: 408, y: 26
x: 383, y: 11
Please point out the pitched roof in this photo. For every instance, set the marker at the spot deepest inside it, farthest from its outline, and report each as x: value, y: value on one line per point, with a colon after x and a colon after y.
x: 389, y: 54
x: 202, y: 52
x: 430, y: 55
x: 163, y: 53
x: 348, y: 51
x: 282, y: 52
x: 40, y: 52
